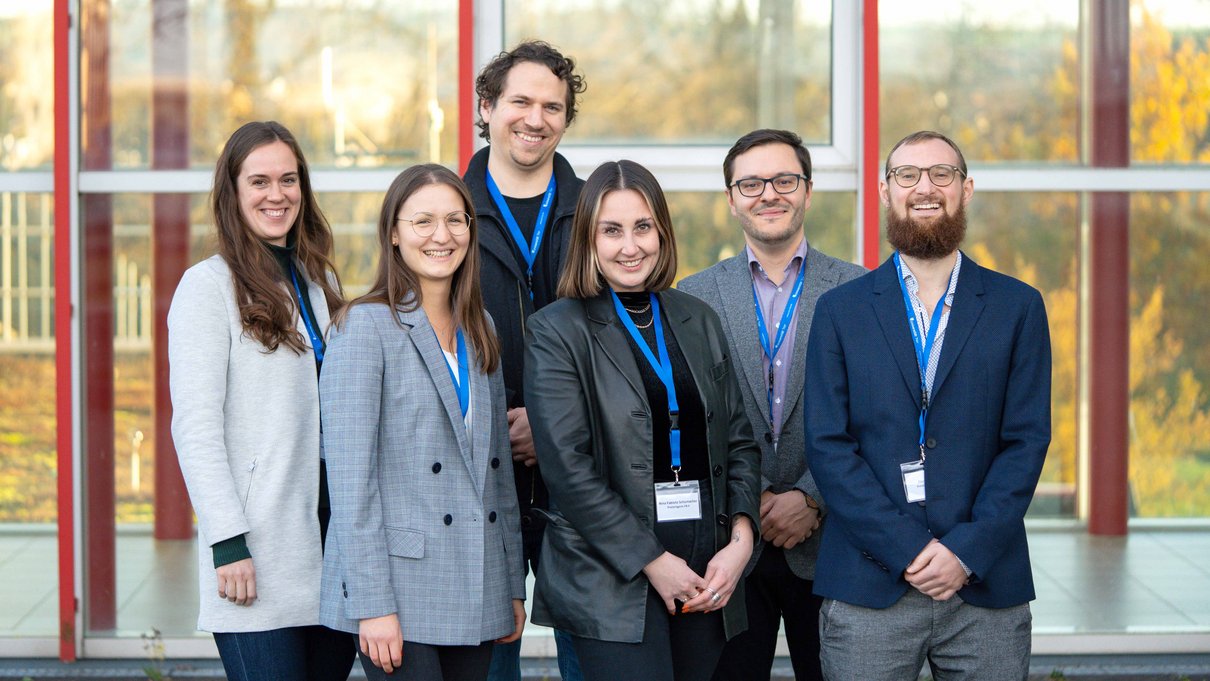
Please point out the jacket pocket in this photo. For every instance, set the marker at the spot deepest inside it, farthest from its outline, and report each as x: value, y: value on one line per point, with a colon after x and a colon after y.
x: 248, y: 489
x: 719, y: 371
x: 405, y: 543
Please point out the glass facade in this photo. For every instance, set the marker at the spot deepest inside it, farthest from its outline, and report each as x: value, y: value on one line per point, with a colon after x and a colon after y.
x: 371, y: 87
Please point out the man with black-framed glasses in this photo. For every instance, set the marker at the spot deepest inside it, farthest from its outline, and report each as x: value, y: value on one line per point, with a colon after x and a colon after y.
x: 927, y: 421
x: 765, y: 297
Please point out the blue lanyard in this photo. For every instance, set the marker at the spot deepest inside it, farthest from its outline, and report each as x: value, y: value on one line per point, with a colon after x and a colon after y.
x: 783, y: 326
x: 923, y: 349
x: 662, y: 367
x: 530, y: 251
x: 317, y: 341
x: 462, y: 383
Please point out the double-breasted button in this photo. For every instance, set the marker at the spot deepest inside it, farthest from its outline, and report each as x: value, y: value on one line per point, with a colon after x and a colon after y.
x: 449, y: 519
x: 723, y: 518
x: 491, y: 517
x: 718, y: 471
x: 526, y: 520
x: 495, y: 462
x: 931, y: 443
x: 344, y: 589
x: 769, y: 438
x: 437, y: 467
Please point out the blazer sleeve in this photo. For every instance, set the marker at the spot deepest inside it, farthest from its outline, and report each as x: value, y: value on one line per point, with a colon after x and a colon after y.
x: 506, y: 493
x: 559, y: 416
x: 857, y: 501
x: 350, y: 396
x: 1010, y: 481
x: 199, y: 352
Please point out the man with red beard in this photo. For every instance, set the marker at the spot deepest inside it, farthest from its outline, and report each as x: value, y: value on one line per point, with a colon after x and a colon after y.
x: 927, y: 422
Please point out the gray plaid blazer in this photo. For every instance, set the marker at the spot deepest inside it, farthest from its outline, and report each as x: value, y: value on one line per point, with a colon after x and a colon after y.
x: 424, y: 518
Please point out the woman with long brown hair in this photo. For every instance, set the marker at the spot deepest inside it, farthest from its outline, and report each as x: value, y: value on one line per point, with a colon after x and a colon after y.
x: 245, y: 348
x: 424, y: 560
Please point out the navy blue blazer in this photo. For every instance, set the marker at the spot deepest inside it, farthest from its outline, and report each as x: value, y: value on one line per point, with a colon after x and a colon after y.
x: 987, y: 435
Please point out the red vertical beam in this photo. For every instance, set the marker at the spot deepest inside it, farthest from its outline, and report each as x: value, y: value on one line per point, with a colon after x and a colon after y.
x: 97, y: 271
x: 868, y: 167
x: 169, y: 245
x: 63, y: 328
x: 466, y: 83
x: 1109, y: 270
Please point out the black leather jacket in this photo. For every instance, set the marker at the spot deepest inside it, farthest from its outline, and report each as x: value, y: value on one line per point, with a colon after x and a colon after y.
x: 592, y: 429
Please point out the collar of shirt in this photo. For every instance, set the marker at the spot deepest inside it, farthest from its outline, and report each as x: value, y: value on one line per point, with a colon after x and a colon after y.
x: 913, y: 286
x: 758, y: 272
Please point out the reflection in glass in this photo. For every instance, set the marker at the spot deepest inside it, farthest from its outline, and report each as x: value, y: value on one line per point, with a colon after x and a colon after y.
x: 1169, y: 354
x: 1169, y: 70
x: 1001, y: 80
x: 28, y: 466
x: 26, y: 99
x: 691, y: 71
x: 360, y: 84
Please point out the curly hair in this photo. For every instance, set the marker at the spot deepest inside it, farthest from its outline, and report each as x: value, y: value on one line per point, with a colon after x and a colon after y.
x: 490, y: 82
x: 268, y: 311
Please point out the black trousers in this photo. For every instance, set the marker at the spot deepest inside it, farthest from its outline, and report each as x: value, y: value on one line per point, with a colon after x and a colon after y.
x: 674, y: 647
x: 423, y: 662
x: 774, y: 593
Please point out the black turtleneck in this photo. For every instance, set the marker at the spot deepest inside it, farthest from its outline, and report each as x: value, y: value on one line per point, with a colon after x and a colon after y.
x: 285, y: 260
x: 695, y: 462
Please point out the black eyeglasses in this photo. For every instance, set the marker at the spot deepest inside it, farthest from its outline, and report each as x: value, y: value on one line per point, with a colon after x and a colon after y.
x: 941, y: 175
x: 425, y: 224
x: 752, y: 187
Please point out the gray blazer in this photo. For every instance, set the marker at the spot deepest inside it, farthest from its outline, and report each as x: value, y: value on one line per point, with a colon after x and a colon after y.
x: 727, y: 287
x: 246, y: 428
x: 424, y: 519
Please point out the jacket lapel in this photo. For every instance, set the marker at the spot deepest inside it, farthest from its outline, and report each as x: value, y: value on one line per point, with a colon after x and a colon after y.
x: 821, y: 276
x: 739, y: 314
x: 611, y: 337
x: 481, y: 417
x: 425, y: 340
x: 968, y: 305
x: 892, y: 318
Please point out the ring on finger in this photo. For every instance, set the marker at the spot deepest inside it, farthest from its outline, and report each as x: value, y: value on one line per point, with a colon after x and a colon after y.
x: 716, y: 597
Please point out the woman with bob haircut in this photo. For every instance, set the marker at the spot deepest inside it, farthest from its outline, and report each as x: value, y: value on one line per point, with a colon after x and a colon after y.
x: 643, y: 441
x: 245, y: 347
x: 424, y: 560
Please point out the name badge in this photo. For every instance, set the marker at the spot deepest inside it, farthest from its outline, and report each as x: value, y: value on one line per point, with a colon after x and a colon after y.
x: 913, y: 481
x: 677, y: 501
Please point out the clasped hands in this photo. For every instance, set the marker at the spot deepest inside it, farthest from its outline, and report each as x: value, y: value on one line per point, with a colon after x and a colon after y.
x: 936, y: 572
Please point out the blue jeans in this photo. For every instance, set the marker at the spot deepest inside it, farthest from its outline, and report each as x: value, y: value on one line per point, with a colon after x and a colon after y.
x: 312, y: 653
x: 506, y: 660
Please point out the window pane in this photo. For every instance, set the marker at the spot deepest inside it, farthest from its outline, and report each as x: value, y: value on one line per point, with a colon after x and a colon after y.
x: 26, y: 97
x: 28, y: 464
x: 360, y: 84
x: 1001, y: 79
x: 1169, y: 354
x: 695, y: 71
x: 1169, y: 70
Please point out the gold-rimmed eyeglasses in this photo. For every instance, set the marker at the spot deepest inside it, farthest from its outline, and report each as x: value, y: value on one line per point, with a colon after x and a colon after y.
x: 425, y: 224
x: 941, y: 175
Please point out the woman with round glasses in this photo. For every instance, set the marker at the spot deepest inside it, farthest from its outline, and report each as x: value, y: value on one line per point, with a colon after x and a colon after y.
x: 643, y: 441
x: 424, y: 560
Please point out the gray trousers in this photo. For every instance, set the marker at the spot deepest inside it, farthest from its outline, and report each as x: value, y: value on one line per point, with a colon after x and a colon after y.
x: 959, y: 641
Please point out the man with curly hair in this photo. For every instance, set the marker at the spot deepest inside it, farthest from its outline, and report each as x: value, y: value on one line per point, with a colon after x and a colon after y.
x: 524, y: 194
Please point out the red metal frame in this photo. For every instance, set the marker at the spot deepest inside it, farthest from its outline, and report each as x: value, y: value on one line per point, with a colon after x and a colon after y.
x: 867, y: 167
x: 466, y: 82
x: 1109, y: 271
x: 63, y: 333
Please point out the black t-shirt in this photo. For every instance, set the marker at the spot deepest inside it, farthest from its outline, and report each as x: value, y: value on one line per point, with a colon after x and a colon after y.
x: 525, y: 212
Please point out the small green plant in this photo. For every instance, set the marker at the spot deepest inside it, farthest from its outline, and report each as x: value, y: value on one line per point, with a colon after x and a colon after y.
x: 1058, y: 675
x: 153, y: 645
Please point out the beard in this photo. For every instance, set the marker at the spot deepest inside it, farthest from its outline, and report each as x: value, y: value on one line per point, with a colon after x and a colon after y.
x: 926, y: 241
